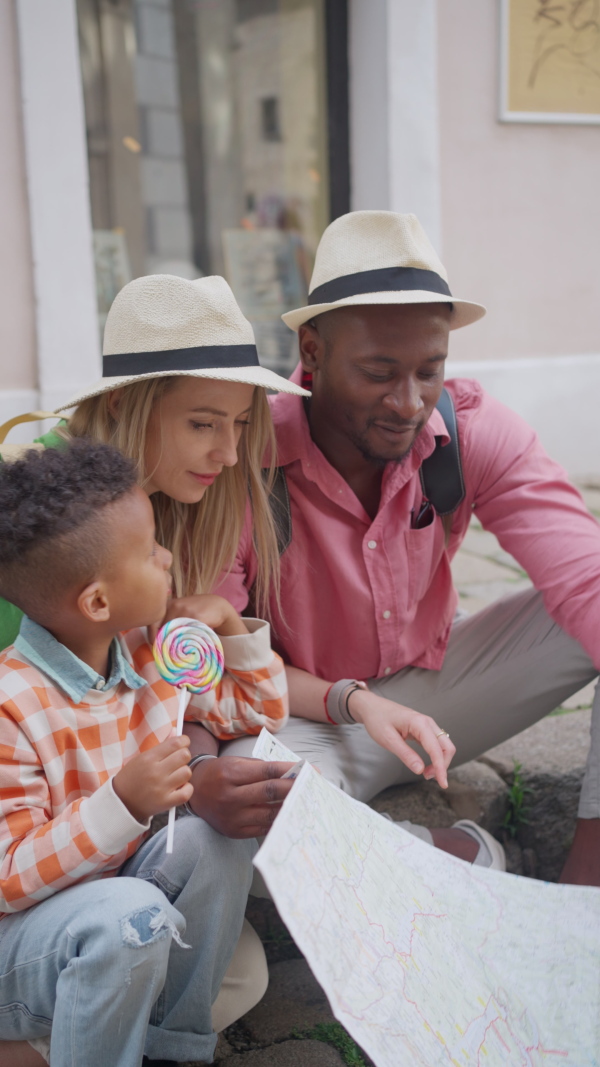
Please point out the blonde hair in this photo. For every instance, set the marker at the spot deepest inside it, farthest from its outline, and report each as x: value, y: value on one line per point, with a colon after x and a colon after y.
x: 203, y: 537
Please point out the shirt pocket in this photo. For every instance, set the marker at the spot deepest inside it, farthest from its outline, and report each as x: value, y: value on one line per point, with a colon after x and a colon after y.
x: 424, y: 551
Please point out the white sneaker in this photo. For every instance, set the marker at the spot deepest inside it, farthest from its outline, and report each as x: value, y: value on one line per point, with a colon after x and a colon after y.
x: 491, y: 854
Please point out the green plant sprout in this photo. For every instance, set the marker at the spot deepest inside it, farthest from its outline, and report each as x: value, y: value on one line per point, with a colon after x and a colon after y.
x: 516, y: 815
x: 335, y: 1035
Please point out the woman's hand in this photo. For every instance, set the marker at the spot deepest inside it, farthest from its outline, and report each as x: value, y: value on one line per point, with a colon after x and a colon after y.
x: 213, y: 611
x: 391, y: 725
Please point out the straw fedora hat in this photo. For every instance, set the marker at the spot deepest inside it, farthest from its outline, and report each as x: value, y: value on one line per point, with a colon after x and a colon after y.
x: 378, y: 257
x: 161, y: 325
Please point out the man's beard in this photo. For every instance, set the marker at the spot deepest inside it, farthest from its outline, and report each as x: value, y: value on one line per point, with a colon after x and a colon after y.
x: 379, y: 460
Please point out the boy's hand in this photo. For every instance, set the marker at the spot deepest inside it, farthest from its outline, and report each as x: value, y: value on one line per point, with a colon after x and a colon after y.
x: 214, y: 611
x: 156, y: 780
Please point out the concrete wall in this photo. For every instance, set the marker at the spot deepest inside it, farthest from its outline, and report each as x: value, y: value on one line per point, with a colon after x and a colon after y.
x: 59, y: 204
x: 394, y: 108
x: 48, y: 320
x: 18, y: 377
x: 512, y: 208
x: 520, y: 215
x: 520, y: 205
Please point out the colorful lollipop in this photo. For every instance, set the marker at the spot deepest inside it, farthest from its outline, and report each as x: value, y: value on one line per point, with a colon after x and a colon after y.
x: 188, y: 655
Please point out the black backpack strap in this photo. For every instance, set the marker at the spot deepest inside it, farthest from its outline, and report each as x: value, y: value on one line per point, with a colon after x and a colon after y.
x: 441, y: 473
x: 281, y: 509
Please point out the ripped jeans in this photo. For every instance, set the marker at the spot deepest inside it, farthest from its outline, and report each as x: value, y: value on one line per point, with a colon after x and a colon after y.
x: 103, y: 967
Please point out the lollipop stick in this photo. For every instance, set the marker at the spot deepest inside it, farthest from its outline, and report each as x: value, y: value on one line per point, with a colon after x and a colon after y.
x: 183, y: 699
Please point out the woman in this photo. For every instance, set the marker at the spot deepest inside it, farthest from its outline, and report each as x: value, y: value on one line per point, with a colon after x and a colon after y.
x: 183, y: 395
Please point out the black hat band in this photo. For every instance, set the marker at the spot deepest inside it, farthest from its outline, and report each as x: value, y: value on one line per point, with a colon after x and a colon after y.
x: 386, y: 280
x: 177, y: 360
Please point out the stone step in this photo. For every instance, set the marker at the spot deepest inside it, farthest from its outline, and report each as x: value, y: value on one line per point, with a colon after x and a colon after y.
x: 288, y: 1054
x: 553, y: 756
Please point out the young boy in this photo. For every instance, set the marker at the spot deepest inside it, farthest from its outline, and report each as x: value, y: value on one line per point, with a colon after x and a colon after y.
x: 114, y: 948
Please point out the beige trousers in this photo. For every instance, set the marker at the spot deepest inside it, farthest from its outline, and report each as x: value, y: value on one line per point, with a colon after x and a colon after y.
x: 505, y: 668
x: 245, y: 981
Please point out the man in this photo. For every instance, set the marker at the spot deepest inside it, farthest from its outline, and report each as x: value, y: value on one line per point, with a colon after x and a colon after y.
x: 366, y: 589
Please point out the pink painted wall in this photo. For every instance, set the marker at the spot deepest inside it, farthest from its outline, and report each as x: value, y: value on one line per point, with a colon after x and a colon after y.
x: 520, y: 205
x: 17, y: 316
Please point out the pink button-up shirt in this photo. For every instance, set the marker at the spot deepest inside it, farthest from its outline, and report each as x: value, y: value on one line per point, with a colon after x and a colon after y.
x: 363, y: 597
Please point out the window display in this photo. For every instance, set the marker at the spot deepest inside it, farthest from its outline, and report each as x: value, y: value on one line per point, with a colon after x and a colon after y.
x: 206, y: 127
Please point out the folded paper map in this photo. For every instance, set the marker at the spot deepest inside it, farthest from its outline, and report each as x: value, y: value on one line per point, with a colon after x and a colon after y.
x: 425, y: 959
x: 270, y: 748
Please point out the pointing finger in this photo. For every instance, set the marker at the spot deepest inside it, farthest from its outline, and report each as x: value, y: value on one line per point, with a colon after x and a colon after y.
x: 439, y: 758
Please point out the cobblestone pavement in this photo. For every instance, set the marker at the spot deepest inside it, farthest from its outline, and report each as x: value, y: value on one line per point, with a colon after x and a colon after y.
x: 293, y: 1026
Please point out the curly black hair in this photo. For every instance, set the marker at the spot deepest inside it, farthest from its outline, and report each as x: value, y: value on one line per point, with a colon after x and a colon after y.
x: 51, y: 536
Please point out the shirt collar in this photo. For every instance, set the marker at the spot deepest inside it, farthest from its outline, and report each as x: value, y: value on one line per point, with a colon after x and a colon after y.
x: 64, y: 668
x: 293, y: 435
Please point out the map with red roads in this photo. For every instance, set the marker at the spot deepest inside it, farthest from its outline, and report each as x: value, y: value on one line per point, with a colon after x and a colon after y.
x: 427, y: 960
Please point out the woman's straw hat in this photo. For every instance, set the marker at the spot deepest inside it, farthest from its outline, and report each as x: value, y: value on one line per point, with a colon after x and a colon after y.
x: 161, y: 325
x: 378, y: 257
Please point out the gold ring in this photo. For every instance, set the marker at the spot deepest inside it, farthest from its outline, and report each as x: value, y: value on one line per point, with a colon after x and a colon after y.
x: 443, y: 733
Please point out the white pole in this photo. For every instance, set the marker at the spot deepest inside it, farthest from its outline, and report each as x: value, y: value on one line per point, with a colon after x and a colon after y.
x: 183, y: 700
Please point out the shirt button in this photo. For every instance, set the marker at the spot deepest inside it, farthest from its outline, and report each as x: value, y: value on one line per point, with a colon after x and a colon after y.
x: 371, y: 544
x: 99, y: 684
x: 388, y: 670
x: 386, y: 614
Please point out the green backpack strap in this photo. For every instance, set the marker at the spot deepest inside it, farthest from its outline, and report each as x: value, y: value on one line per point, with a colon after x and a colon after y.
x: 8, y: 452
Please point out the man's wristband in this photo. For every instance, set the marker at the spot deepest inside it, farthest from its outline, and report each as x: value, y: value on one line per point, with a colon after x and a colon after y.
x: 336, y: 701
x: 195, y: 760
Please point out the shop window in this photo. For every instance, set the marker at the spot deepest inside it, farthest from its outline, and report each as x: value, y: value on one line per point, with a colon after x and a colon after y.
x: 209, y: 135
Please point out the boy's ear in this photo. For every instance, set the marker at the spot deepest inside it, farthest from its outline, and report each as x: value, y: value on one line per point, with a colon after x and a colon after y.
x: 93, y: 602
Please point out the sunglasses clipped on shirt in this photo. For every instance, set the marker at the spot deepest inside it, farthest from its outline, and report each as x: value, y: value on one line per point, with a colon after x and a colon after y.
x: 423, y: 517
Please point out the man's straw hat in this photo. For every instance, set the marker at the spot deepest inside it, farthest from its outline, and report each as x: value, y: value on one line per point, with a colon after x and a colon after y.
x: 378, y: 257
x: 162, y: 325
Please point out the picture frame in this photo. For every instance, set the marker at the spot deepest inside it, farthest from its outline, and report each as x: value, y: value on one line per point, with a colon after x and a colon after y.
x: 550, y: 61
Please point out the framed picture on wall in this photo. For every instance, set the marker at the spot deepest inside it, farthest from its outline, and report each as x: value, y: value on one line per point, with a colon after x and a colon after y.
x: 550, y: 61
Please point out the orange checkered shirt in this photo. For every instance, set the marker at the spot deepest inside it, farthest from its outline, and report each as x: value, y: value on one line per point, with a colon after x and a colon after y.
x: 60, y: 820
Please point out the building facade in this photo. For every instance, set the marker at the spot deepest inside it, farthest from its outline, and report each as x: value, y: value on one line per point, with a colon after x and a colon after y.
x: 221, y: 136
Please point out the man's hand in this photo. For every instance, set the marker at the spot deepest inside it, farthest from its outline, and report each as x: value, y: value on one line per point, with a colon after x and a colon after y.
x: 583, y: 862
x: 391, y: 725
x: 239, y: 797
x: 155, y: 780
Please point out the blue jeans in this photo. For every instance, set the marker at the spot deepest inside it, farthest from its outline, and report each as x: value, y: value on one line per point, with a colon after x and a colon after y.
x: 101, y: 965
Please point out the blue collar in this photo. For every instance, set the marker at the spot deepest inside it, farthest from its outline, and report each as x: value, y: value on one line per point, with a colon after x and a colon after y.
x: 70, y: 673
